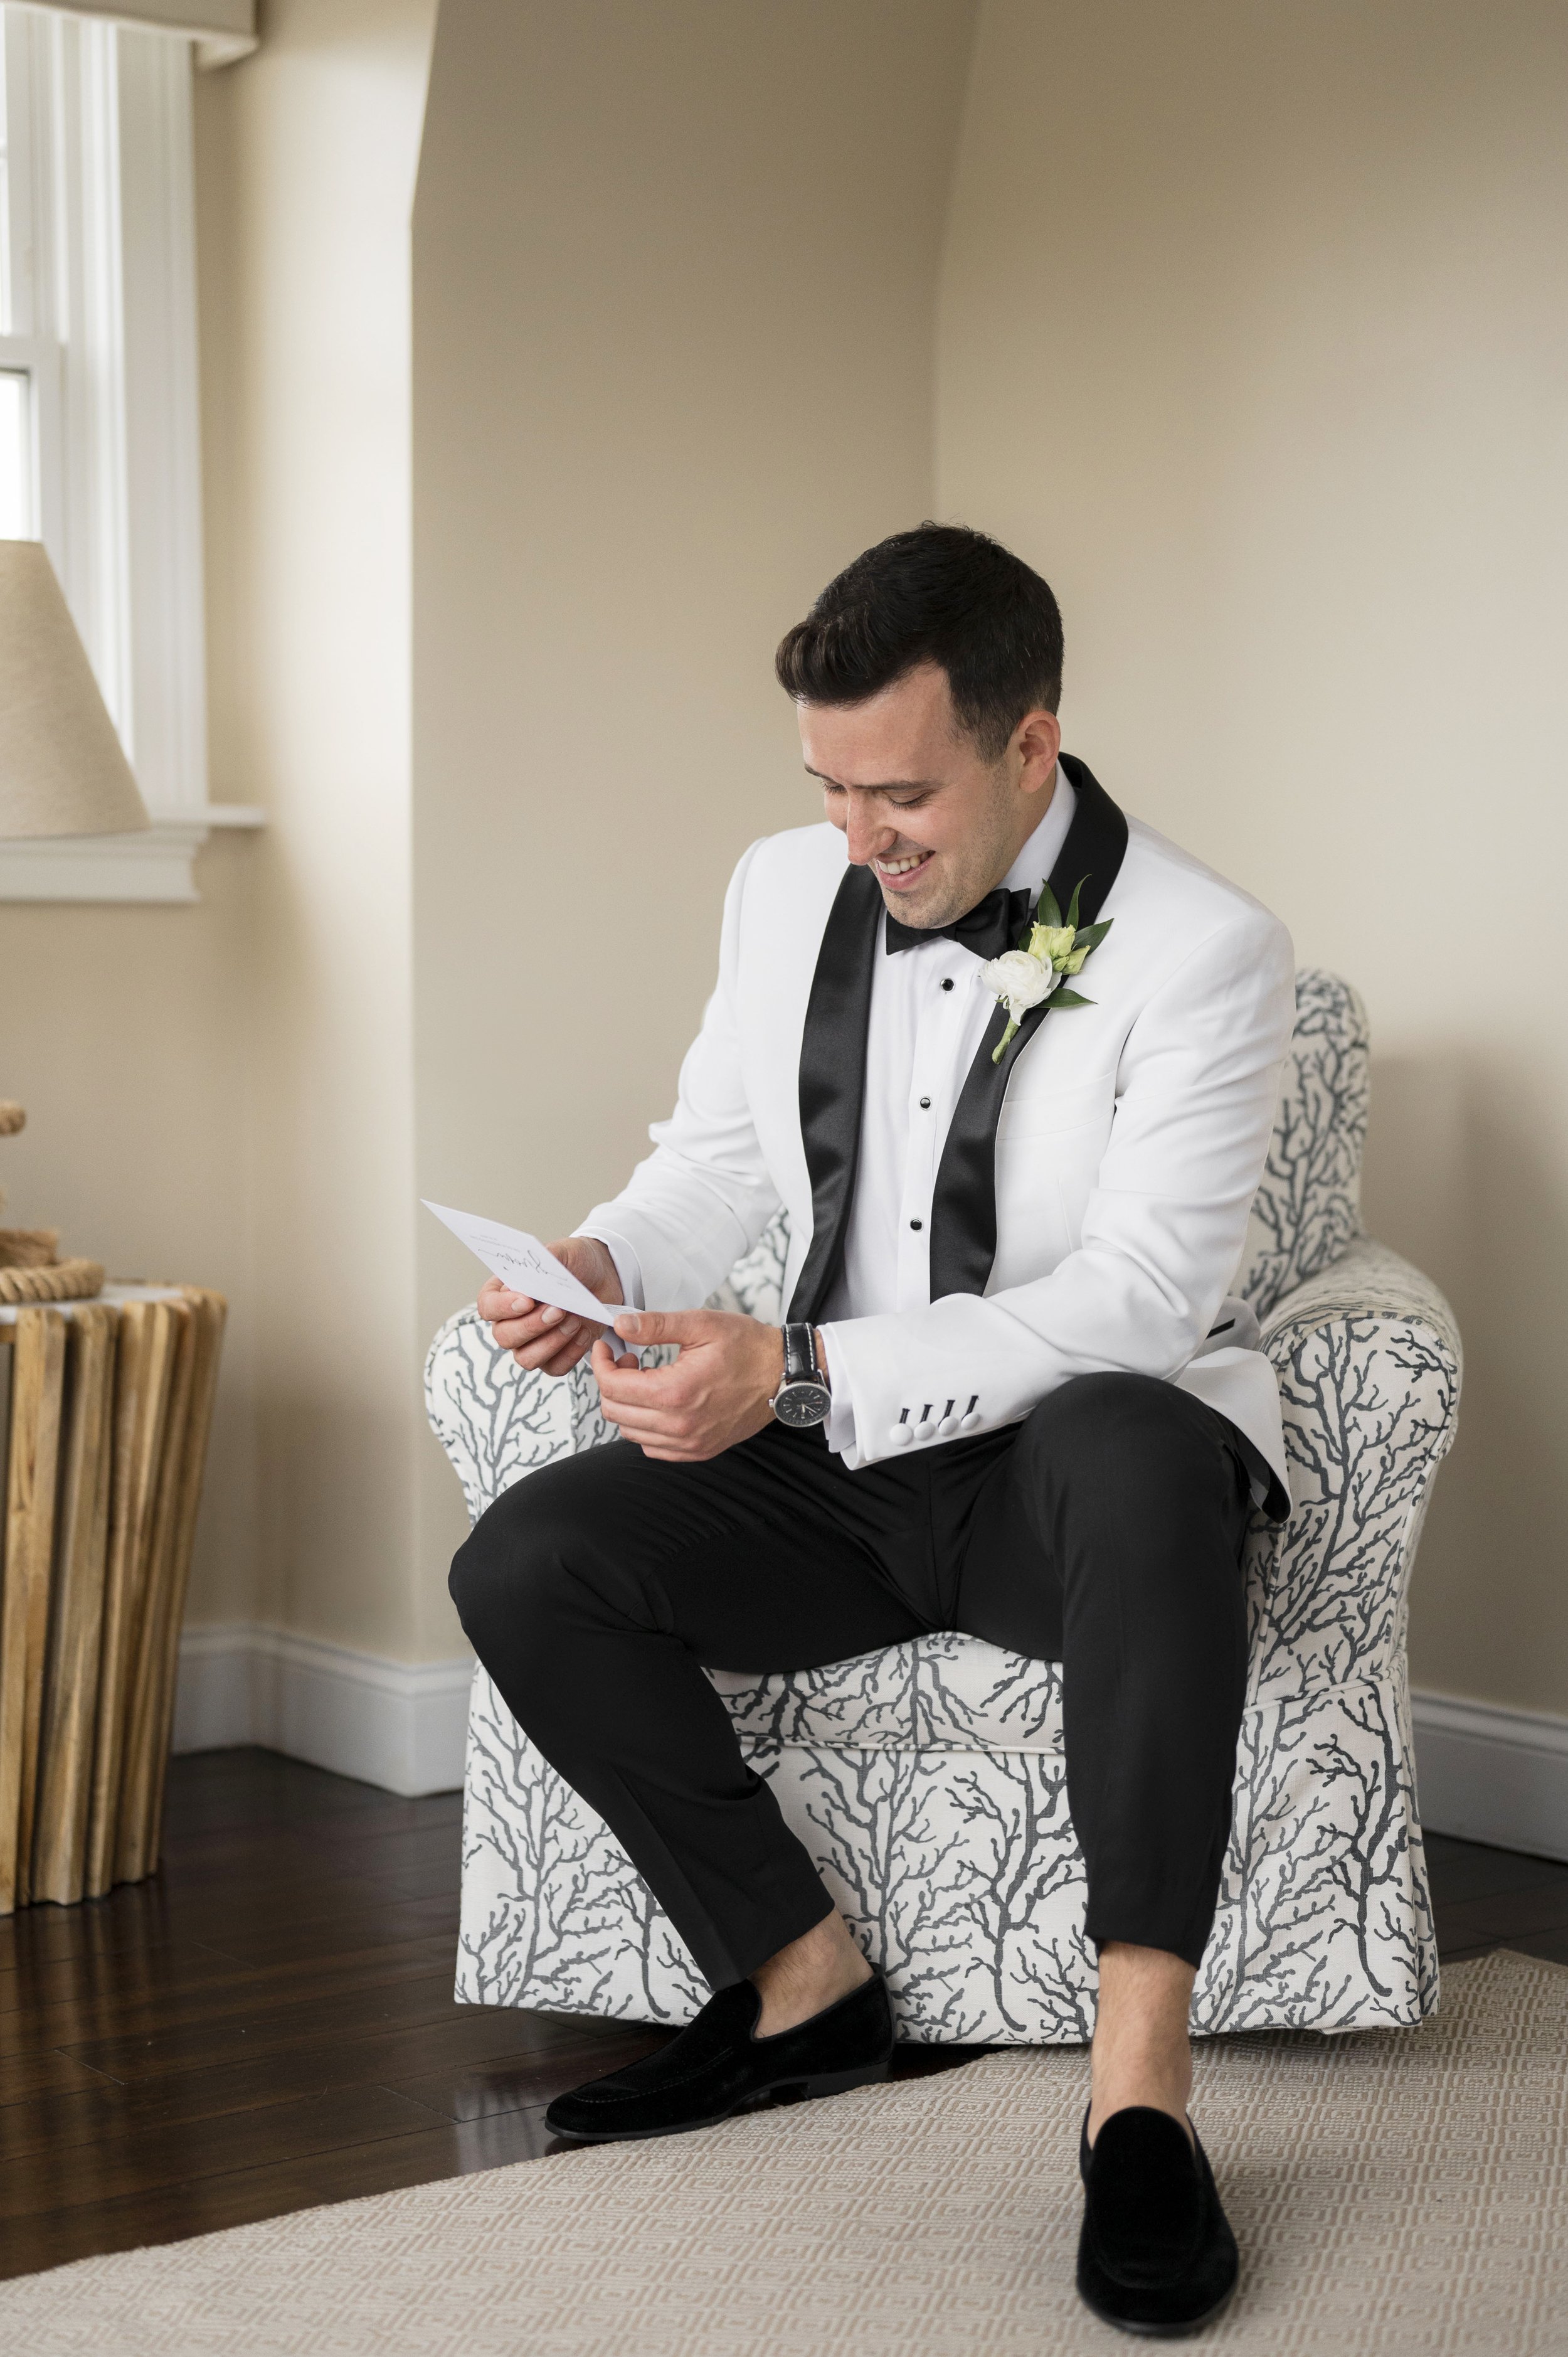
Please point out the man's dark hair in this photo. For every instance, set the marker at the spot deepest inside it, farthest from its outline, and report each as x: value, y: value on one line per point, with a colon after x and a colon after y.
x: 940, y: 593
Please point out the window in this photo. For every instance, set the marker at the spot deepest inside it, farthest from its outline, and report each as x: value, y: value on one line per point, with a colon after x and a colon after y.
x: 15, y: 456
x: 16, y: 413
x: 19, y: 357
x: 99, y: 416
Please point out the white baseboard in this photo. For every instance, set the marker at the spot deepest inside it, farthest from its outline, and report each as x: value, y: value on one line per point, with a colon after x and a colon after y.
x: 1487, y: 1772
x: 386, y: 1723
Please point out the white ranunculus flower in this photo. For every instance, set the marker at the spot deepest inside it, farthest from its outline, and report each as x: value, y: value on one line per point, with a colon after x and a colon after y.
x: 1019, y: 980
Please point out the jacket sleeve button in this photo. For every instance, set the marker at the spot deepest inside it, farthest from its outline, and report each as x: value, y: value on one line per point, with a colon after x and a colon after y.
x: 946, y: 1427
x: 901, y: 1434
x: 969, y: 1423
x: 924, y: 1431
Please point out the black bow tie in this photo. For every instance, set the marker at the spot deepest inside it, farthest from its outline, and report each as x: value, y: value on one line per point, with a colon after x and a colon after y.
x: 992, y: 926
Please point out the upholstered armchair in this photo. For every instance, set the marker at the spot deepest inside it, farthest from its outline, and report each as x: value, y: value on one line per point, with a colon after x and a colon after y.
x: 928, y: 1780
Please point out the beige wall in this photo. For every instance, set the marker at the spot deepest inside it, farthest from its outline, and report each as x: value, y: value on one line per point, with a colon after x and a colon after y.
x: 1249, y: 328
x: 674, y: 282
x: 1254, y: 336
x: 127, y: 1037
x: 675, y: 289
x: 306, y: 161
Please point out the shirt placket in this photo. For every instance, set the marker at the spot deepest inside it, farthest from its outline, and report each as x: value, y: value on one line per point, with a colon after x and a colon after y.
x: 930, y: 1090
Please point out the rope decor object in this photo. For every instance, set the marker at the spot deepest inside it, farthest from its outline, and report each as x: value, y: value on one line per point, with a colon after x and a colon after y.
x: 62, y: 1280
x: 29, y: 1270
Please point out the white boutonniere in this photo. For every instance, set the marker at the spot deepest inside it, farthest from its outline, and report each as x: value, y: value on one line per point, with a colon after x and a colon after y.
x: 1055, y: 947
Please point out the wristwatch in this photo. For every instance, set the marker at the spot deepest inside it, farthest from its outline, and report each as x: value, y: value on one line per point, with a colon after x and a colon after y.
x: 802, y: 1398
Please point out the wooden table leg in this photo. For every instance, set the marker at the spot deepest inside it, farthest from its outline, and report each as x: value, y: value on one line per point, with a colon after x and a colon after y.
x: 147, y: 1647
x: 145, y: 1359
x: 70, y: 1697
x: 209, y: 1313
x: 37, y: 1394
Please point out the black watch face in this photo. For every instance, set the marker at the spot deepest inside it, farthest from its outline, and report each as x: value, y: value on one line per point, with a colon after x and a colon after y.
x: 802, y: 1403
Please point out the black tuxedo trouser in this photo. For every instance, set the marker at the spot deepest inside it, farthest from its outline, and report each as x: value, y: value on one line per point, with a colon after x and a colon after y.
x: 1104, y: 1532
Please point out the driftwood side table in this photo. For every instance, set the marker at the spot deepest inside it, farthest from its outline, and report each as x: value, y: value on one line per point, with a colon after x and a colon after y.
x: 107, y: 1404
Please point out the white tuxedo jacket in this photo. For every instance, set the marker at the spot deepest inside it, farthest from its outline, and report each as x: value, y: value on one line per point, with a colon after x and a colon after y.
x: 1093, y: 1191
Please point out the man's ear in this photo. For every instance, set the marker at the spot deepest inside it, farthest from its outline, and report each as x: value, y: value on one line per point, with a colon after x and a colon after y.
x: 1037, y: 739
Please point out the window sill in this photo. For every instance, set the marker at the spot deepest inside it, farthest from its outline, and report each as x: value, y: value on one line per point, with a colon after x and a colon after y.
x: 156, y: 865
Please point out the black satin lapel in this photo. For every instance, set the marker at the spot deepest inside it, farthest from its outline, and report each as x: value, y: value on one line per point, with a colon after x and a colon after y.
x: 963, y: 1207
x: 833, y: 1078
x: 1095, y: 847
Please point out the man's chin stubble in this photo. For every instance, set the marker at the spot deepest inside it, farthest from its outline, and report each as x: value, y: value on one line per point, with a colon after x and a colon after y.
x: 898, y: 906
x: 925, y: 915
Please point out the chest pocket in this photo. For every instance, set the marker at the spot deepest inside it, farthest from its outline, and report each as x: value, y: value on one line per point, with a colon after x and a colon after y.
x: 1048, y: 1152
x: 1046, y: 1110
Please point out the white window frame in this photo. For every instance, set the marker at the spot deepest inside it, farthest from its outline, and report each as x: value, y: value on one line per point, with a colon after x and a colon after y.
x: 103, y: 214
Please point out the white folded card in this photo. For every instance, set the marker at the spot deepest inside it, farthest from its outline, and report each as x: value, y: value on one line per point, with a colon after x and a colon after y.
x: 524, y: 1263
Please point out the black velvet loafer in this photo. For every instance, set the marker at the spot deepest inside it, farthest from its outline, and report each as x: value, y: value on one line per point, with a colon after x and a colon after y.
x: 717, y: 2066
x: 1156, y: 2255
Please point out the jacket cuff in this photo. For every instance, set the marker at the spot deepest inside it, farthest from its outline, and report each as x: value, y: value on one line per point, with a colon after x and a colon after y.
x: 840, y: 1429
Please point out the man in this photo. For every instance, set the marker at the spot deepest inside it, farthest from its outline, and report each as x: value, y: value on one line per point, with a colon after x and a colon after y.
x: 1009, y: 1397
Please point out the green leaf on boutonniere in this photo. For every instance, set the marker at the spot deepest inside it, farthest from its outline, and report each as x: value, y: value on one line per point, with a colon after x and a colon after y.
x: 1090, y: 936
x: 1047, y: 911
x: 1071, y: 918
x: 1068, y: 998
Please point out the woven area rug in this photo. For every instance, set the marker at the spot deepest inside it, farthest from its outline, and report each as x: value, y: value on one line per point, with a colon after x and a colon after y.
x: 1394, y: 2192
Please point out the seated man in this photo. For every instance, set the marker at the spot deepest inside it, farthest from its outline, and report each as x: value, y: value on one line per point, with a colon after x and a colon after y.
x: 1010, y: 1061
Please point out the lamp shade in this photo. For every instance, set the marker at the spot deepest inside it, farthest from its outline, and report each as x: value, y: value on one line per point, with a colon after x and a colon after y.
x: 62, y: 770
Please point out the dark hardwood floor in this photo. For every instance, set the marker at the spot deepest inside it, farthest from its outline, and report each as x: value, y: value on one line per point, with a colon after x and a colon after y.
x: 268, y: 2022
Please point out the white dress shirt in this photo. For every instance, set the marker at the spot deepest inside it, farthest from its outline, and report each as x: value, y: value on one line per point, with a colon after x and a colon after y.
x: 928, y: 1013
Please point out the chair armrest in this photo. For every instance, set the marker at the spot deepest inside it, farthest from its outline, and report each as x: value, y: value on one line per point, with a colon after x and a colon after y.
x: 1367, y: 1281
x: 1368, y: 1357
x: 496, y: 1420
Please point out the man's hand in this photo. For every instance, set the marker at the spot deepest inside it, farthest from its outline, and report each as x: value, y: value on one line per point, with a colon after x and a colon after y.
x: 537, y: 1333
x: 717, y: 1393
